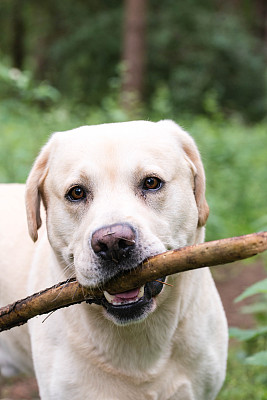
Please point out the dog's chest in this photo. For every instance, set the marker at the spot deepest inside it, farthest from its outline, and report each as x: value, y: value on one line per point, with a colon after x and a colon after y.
x: 109, y: 385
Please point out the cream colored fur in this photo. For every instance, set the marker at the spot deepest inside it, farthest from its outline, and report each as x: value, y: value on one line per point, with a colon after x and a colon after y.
x: 178, y: 352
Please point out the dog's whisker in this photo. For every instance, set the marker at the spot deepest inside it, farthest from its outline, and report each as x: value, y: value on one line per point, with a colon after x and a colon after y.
x: 68, y: 266
x: 68, y: 270
x: 64, y: 285
x: 69, y: 279
x: 76, y: 292
x: 49, y: 315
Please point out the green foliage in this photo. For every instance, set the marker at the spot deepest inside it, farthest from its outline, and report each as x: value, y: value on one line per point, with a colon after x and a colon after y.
x: 25, y: 127
x: 23, y: 131
x: 20, y: 86
x: 259, y: 358
x: 246, y: 334
x: 255, y: 339
x: 198, y: 53
x: 85, y: 59
x: 205, y: 52
x: 234, y: 156
x: 243, y: 382
x: 256, y: 288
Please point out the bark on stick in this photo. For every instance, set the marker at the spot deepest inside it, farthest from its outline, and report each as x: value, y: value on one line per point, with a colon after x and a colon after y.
x: 184, y: 259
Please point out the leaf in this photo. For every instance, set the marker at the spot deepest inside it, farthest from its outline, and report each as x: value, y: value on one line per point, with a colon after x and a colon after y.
x: 259, y: 359
x: 257, y: 288
x: 255, y: 308
x: 246, y: 334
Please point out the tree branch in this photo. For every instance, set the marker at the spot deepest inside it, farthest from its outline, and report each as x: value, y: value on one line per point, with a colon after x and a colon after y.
x: 184, y: 259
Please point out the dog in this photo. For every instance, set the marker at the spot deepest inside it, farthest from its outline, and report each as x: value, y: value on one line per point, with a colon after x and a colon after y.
x: 113, y: 195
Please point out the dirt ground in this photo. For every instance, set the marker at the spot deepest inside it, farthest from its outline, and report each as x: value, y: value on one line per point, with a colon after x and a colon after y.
x: 230, y: 280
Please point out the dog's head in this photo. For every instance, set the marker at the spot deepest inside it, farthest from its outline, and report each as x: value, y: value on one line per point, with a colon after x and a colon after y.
x: 114, y: 195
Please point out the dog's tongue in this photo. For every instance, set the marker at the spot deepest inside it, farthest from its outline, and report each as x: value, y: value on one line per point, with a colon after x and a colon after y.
x: 130, y: 294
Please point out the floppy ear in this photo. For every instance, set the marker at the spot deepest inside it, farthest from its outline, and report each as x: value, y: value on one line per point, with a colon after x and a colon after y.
x: 33, y: 191
x: 191, y: 151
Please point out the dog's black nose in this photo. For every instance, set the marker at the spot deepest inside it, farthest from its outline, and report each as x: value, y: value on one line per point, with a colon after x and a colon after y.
x: 113, y: 242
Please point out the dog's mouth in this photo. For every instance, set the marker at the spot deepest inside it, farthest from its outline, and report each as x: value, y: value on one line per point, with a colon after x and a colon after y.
x: 129, y: 297
x: 133, y: 305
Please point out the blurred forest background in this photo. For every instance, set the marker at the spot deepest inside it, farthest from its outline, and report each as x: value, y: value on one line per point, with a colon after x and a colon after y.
x: 202, y: 63
x: 199, y: 62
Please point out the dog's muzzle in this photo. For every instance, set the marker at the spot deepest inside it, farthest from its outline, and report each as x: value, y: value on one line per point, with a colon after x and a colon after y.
x: 115, y: 245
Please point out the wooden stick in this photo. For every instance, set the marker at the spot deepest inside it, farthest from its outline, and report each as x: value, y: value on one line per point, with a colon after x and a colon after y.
x: 184, y: 259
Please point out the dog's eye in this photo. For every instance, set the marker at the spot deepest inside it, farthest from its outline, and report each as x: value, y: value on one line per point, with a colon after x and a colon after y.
x: 76, y: 193
x: 152, y: 183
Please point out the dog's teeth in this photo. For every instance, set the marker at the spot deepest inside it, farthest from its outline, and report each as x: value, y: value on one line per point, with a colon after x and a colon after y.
x: 141, y: 292
x: 109, y: 297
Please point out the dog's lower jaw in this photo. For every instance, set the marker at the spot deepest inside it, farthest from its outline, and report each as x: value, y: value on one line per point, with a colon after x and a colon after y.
x: 126, y: 314
x: 135, y: 308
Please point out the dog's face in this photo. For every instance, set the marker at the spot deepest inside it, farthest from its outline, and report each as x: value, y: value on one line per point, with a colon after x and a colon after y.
x: 116, y: 194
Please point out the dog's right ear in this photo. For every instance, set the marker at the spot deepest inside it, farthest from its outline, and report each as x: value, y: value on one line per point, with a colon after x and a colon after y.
x: 33, y: 192
x: 190, y: 149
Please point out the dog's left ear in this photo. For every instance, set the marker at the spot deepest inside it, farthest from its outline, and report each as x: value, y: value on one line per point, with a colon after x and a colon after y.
x: 33, y: 191
x: 192, y: 153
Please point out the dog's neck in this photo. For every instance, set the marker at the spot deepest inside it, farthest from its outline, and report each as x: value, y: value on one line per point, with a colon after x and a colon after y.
x: 139, y: 349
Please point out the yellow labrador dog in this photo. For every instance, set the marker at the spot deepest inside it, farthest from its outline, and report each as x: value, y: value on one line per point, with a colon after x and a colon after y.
x: 114, y: 195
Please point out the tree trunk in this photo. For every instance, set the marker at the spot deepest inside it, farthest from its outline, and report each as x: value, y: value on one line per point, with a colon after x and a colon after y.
x: 262, y: 25
x: 134, y: 48
x: 18, y: 35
